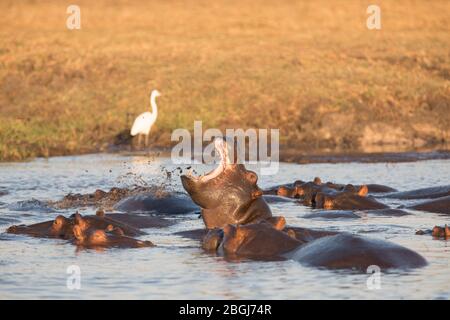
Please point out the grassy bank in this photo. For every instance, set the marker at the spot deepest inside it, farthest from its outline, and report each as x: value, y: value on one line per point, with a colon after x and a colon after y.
x: 310, y: 68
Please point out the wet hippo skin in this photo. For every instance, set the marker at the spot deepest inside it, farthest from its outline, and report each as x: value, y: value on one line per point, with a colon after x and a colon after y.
x: 62, y: 227
x: 172, y: 203
x: 343, y: 200
x: 98, y: 198
x: 256, y: 240
x: 424, y: 193
x: 141, y: 221
x: 261, y: 241
x: 333, y: 214
x: 228, y: 194
x: 296, y: 189
x: 94, y: 238
x: 347, y: 251
x: 276, y: 199
x: 349, y: 198
x: 332, y: 196
x: 351, y: 214
x: 371, y: 187
x: 240, y: 224
x: 86, y: 231
x: 439, y: 205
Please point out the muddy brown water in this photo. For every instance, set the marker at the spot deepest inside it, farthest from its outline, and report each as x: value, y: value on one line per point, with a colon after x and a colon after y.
x: 177, y: 268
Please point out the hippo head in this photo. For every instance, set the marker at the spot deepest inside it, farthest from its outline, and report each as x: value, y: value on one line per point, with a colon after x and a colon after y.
x: 285, y: 191
x: 256, y: 240
x: 307, y: 190
x: 226, y: 193
x: 441, y: 232
x: 89, y: 238
x: 61, y: 227
x: 81, y: 222
x: 349, y: 198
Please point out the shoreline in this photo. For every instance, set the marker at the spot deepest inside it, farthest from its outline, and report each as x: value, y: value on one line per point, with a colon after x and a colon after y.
x: 288, y: 154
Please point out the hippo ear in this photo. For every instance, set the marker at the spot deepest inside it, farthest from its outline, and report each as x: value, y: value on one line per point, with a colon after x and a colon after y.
x: 80, y: 221
x: 59, y: 220
x: 363, y: 191
x: 298, y: 191
x: 100, y: 213
x: 277, y: 222
x: 317, y: 181
x: 252, y: 177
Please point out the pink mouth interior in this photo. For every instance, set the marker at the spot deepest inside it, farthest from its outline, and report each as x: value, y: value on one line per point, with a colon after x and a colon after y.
x: 221, y: 147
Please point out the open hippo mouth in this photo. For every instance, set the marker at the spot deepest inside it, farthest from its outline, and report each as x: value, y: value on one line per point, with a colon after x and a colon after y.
x: 227, y: 194
x: 222, y: 148
x: 205, y: 190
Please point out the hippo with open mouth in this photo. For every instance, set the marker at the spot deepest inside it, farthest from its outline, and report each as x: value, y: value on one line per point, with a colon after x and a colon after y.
x: 228, y: 194
x: 240, y: 225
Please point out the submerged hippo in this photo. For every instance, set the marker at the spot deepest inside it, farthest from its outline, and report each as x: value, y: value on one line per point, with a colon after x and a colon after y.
x: 300, y: 188
x: 111, y: 237
x: 100, y: 230
x: 424, y: 193
x: 100, y: 198
x: 350, y: 214
x: 350, y: 198
x: 170, y: 203
x: 228, y: 194
x: 332, y: 196
x: 240, y: 224
x: 326, y: 196
x: 437, y: 232
x: 338, y: 251
x: 62, y: 227
x: 439, y: 205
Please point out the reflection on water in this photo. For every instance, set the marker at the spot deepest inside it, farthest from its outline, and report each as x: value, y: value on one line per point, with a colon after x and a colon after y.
x: 177, y: 267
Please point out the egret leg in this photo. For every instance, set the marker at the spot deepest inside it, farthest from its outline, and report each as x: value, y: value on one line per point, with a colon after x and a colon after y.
x: 146, y: 140
x: 139, y: 141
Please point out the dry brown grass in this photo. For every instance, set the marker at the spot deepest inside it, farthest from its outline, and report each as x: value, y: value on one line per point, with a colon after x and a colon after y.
x: 310, y: 68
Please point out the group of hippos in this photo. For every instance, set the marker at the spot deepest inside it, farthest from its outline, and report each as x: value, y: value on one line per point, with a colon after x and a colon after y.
x: 239, y: 223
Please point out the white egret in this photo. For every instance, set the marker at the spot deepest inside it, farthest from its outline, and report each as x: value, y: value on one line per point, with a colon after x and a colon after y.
x: 144, y: 122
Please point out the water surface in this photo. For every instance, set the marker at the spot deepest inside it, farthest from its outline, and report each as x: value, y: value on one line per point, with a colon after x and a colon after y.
x: 177, y: 268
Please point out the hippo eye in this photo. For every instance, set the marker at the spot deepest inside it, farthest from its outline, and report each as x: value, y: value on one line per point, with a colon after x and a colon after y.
x: 252, y: 177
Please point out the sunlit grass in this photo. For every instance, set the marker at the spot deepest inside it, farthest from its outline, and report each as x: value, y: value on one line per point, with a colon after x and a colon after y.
x: 310, y: 68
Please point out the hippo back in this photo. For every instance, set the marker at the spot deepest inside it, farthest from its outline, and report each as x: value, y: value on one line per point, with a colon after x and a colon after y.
x: 347, y: 251
x: 175, y: 203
